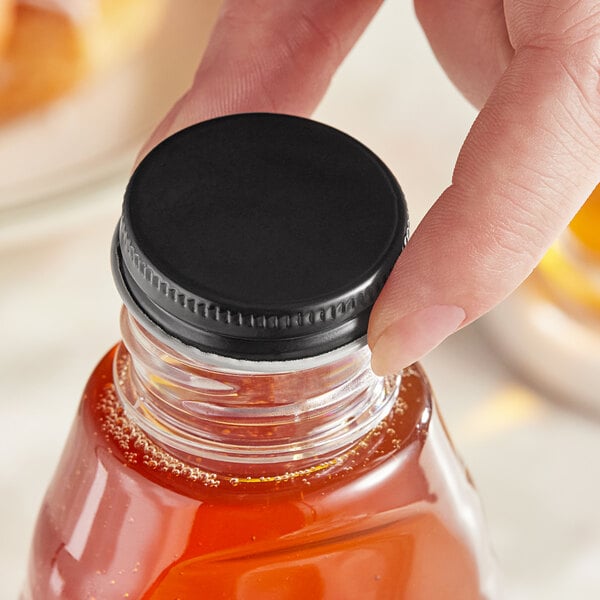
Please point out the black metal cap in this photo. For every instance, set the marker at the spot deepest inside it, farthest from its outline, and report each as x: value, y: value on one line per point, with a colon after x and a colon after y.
x: 259, y: 236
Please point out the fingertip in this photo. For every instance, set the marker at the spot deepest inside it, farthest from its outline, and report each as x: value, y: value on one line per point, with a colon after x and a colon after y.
x: 409, y: 338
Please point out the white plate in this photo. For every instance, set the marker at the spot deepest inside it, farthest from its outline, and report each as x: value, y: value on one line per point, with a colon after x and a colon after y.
x: 558, y: 352
x: 96, y: 131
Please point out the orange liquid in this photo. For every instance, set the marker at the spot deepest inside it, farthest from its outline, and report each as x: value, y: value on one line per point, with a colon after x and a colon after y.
x: 123, y: 520
x: 585, y: 225
x: 570, y: 270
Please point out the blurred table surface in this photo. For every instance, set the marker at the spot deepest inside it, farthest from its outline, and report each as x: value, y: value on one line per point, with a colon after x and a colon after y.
x: 534, y: 460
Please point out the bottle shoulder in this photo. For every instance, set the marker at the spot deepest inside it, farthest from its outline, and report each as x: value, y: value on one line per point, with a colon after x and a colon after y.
x: 400, y: 434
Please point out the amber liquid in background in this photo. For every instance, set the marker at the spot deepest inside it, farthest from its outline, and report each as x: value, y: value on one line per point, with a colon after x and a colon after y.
x: 123, y: 519
x: 585, y: 226
x: 570, y: 271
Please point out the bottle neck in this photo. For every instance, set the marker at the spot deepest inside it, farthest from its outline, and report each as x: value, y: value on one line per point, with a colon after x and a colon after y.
x: 244, y: 418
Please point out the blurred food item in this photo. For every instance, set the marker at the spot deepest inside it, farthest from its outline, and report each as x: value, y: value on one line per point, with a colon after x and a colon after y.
x: 61, y: 161
x: 6, y: 20
x: 47, y: 47
x: 586, y: 224
x: 571, y: 268
x: 550, y: 327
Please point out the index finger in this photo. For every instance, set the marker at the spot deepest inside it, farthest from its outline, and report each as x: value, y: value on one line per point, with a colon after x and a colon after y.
x: 269, y: 56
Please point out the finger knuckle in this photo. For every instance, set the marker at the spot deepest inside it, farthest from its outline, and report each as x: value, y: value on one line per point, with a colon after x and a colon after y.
x: 572, y: 31
x: 326, y: 37
x: 572, y: 62
x: 553, y: 24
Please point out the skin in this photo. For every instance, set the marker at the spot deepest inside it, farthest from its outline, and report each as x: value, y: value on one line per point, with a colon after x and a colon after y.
x: 530, y: 160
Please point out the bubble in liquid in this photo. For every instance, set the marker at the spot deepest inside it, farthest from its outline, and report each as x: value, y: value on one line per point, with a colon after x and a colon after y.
x: 135, y: 444
x: 399, y: 408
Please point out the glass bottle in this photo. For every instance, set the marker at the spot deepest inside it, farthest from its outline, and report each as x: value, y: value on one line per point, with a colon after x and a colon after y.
x: 554, y: 337
x: 236, y: 443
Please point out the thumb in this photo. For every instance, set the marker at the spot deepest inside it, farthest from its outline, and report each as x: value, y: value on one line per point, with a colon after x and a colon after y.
x: 527, y: 165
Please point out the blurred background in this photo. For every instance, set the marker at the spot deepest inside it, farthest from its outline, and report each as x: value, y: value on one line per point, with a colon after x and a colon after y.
x: 533, y: 453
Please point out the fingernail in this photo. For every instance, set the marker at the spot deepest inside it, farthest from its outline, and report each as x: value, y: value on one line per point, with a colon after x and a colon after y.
x: 414, y: 335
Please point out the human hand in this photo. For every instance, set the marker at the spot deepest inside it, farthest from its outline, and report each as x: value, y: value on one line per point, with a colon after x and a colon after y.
x: 528, y: 163
x: 530, y: 160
